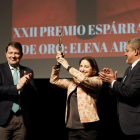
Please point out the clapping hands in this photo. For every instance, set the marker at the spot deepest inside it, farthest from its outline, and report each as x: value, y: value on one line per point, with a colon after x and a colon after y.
x: 107, y: 75
x: 24, y: 80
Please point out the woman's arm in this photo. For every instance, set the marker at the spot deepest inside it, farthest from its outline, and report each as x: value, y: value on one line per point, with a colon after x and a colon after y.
x: 54, y: 79
x: 89, y: 82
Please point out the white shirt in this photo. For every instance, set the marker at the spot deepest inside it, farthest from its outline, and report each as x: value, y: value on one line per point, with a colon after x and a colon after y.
x: 131, y: 69
x: 11, y: 68
x: 18, y: 71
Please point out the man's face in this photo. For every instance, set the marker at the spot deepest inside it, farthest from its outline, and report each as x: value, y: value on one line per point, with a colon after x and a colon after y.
x: 130, y: 54
x: 13, y: 56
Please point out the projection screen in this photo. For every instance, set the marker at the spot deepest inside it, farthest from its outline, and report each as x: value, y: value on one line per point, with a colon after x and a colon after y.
x: 97, y: 28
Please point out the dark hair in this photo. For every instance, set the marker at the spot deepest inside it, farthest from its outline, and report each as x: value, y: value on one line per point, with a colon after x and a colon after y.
x: 135, y: 43
x: 16, y: 45
x: 92, y: 62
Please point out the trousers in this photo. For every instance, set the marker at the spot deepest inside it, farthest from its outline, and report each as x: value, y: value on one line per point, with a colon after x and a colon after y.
x: 14, y: 129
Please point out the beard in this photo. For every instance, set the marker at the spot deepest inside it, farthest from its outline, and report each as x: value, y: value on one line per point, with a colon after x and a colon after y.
x: 126, y: 61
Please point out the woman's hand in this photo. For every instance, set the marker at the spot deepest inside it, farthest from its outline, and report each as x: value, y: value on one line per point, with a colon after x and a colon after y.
x: 59, y: 55
x: 63, y: 62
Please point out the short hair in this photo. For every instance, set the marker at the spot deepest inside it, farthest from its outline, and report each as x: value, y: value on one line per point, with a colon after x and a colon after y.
x: 92, y: 62
x: 134, y: 44
x: 16, y: 45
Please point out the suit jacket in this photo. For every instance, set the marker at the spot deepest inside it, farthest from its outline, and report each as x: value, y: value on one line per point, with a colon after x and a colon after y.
x: 88, y: 89
x: 128, y: 94
x: 8, y: 91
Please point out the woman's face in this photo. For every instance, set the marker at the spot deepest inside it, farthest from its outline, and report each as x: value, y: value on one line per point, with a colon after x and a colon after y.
x: 86, y: 68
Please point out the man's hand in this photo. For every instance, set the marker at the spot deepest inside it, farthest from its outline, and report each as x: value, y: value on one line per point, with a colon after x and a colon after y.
x: 24, y: 80
x: 106, y: 70
x: 108, y: 76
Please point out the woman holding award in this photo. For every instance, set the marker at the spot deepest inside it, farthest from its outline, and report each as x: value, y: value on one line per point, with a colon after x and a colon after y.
x: 82, y: 93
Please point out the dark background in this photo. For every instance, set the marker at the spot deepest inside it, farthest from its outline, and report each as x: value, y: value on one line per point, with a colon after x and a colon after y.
x: 49, y: 120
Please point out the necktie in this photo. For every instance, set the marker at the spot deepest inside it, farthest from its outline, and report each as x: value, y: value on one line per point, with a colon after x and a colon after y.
x: 128, y: 72
x: 15, y: 106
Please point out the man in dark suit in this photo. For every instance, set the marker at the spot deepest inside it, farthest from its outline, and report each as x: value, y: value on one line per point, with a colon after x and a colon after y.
x: 17, y: 91
x: 127, y: 91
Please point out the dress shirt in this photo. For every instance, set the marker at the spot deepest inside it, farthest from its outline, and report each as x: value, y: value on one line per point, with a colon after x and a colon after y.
x: 11, y: 68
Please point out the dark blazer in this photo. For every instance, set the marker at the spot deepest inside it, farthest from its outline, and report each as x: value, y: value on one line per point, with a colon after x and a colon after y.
x: 8, y: 91
x: 128, y: 94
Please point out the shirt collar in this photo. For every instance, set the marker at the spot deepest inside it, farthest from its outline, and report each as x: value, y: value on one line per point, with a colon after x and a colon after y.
x: 135, y: 63
x: 12, y: 67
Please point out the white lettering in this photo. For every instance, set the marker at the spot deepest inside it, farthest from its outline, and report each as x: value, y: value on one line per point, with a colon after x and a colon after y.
x: 81, y: 30
x: 114, y: 47
x: 42, y: 31
x: 42, y: 49
x: 91, y: 29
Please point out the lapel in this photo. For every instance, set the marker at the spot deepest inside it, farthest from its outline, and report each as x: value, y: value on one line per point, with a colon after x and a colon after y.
x: 137, y: 66
x: 125, y: 75
x: 129, y: 77
x: 8, y: 74
x: 21, y: 71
